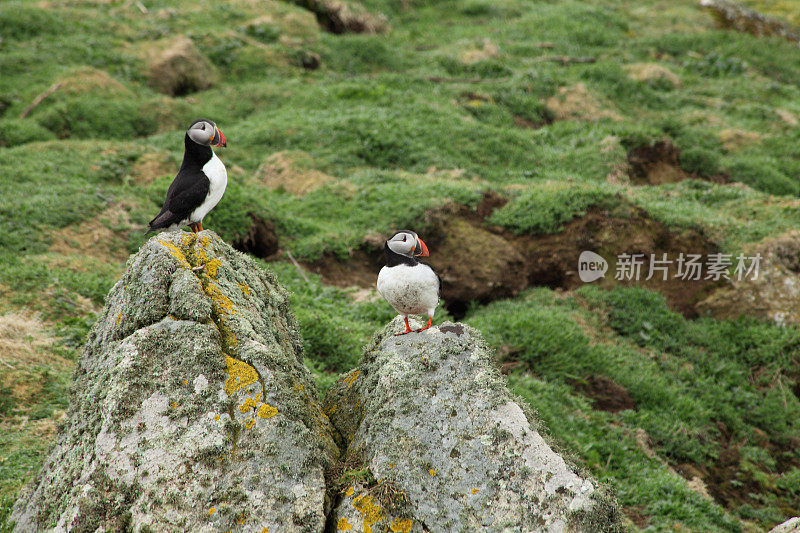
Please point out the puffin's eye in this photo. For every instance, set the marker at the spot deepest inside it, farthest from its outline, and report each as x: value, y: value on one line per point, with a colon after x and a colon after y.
x: 202, y: 126
x: 404, y: 238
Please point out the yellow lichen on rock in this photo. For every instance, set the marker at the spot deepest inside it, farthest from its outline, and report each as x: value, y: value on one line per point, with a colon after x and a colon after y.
x: 222, y: 304
x: 351, y: 378
x: 240, y: 375
x: 212, y: 266
x: 177, y: 253
x: 267, y: 411
x: 248, y: 404
x: 371, y: 511
x: 350, y: 491
x: 246, y: 292
x: 343, y: 525
x: 401, y: 525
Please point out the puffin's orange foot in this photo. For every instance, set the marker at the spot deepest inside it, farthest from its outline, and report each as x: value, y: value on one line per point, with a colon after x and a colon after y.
x: 426, y: 327
x: 200, y: 225
x: 193, y: 225
x: 408, y: 328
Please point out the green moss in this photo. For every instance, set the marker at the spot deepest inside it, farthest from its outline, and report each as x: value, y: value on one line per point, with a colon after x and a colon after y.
x: 545, y: 208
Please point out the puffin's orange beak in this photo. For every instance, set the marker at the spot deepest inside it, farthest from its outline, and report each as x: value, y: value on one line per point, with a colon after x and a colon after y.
x: 421, y: 250
x: 219, y: 138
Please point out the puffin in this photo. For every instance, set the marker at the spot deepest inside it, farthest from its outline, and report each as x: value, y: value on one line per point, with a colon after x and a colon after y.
x: 200, y: 182
x: 409, y: 285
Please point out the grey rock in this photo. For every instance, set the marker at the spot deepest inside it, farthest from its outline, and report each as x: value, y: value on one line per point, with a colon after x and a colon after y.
x: 191, y: 409
x: 435, y: 442
x: 790, y: 526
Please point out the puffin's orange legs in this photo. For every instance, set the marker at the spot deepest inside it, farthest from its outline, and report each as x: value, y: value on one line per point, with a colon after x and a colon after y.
x: 426, y: 327
x: 408, y: 328
x: 200, y: 225
x: 193, y: 226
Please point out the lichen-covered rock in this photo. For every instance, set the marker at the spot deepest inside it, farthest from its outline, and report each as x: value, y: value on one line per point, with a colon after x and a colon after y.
x: 435, y: 442
x: 191, y: 409
x: 790, y: 526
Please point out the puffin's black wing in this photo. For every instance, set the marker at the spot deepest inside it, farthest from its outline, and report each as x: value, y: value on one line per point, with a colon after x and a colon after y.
x: 439, y: 290
x: 187, y: 192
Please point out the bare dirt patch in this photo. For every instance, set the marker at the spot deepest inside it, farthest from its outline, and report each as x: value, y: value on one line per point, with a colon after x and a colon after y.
x: 261, y: 239
x: 361, y: 270
x: 605, y: 393
x: 498, y: 264
x: 176, y: 67
x: 553, y: 258
x: 338, y: 16
x: 658, y: 163
x: 733, y: 481
x: 773, y: 295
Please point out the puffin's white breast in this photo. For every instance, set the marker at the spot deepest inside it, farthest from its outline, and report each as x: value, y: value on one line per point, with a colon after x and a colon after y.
x: 218, y: 177
x: 411, y: 290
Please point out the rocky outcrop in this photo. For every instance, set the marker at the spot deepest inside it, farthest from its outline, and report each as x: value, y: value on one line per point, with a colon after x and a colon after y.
x: 435, y: 442
x: 790, y: 526
x: 191, y: 409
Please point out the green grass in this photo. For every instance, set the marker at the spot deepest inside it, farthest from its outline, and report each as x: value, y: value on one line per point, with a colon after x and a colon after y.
x: 697, y: 385
x: 450, y: 103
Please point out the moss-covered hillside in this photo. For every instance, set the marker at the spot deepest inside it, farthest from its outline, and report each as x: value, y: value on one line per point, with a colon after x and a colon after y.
x: 511, y: 135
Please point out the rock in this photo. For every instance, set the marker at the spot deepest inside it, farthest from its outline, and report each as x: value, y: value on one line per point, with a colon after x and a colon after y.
x: 435, y: 442
x: 176, y: 67
x: 790, y: 526
x: 773, y: 295
x: 191, y: 409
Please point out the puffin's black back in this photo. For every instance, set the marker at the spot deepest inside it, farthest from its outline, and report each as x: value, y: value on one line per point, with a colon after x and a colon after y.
x: 189, y: 188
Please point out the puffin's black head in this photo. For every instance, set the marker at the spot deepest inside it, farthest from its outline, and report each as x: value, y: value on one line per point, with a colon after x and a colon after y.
x: 407, y: 243
x: 206, y: 133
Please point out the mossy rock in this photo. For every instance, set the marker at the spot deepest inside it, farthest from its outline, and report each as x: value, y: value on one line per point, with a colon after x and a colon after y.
x: 191, y: 408
x: 447, y: 447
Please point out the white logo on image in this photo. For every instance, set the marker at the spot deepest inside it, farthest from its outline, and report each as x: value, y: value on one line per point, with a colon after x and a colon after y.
x: 591, y: 266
